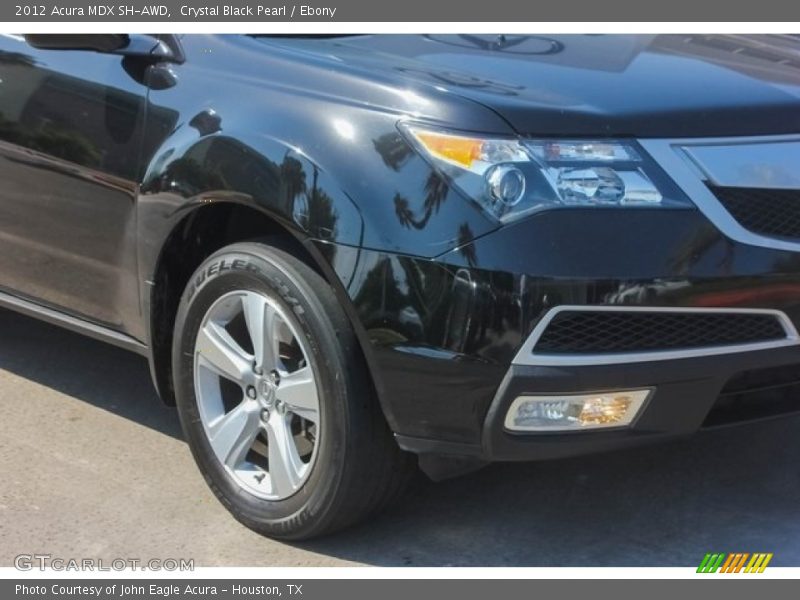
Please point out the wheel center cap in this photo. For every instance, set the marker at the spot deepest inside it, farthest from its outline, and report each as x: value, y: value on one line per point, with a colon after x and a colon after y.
x: 266, y: 393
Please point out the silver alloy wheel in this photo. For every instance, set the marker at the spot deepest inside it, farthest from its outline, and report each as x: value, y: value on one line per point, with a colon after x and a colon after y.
x: 257, y: 394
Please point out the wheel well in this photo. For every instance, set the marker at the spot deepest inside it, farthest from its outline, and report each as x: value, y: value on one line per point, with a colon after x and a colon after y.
x: 194, y: 239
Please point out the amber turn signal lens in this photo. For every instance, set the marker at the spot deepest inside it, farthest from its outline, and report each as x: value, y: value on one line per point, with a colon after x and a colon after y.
x: 460, y: 150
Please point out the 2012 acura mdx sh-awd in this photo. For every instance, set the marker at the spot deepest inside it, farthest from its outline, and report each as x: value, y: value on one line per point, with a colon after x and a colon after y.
x: 346, y: 256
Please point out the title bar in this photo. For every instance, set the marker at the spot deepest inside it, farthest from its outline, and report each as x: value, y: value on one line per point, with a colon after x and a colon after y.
x: 441, y: 11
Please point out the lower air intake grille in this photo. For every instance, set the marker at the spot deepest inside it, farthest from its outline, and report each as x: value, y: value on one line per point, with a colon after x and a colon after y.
x: 597, y: 332
x: 774, y: 213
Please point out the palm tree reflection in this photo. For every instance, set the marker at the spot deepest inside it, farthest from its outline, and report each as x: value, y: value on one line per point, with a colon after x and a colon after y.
x: 436, y: 190
x: 465, y: 247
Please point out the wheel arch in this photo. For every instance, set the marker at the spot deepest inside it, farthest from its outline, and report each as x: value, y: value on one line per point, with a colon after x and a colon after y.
x: 202, y: 231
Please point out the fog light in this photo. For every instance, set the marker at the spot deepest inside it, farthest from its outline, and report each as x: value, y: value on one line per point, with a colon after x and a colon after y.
x: 579, y: 412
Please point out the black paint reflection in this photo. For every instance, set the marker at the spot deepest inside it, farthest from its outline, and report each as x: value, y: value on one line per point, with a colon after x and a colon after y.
x: 393, y: 149
x: 216, y: 166
x: 70, y: 134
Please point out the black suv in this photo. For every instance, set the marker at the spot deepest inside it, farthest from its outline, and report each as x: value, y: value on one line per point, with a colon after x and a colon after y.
x: 346, y: 256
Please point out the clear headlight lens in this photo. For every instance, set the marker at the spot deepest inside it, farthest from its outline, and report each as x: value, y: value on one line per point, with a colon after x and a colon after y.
x: 512, y: 177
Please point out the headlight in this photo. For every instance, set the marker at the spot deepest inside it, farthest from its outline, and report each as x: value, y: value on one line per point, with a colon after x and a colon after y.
x: 512, y: 177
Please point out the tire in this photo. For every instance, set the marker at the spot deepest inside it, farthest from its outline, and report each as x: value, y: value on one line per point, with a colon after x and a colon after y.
x: 349, y: 467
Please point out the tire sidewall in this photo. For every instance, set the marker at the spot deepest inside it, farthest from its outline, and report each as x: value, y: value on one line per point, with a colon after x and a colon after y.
x: 268, y: 273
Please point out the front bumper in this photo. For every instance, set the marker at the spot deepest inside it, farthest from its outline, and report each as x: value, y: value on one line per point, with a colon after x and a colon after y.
x: 685, y: 394
x: 442, y: 335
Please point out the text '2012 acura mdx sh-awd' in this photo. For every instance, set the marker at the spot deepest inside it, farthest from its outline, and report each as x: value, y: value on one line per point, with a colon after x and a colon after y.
x: 345, y: 257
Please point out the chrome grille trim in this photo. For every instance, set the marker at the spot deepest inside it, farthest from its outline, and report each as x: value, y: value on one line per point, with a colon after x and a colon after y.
x: 527, y: 356
x: 674, y: 156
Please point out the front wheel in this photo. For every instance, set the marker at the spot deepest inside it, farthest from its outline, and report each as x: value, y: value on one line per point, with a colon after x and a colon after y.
x: 275, y: 399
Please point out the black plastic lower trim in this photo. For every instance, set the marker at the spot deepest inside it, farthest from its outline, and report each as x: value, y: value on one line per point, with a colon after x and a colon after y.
x: 432, y: 446
x: 685, y: 392
x: 76, y: 324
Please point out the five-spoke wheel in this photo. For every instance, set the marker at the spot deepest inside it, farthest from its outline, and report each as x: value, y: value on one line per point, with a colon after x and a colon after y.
x: 257, y: 394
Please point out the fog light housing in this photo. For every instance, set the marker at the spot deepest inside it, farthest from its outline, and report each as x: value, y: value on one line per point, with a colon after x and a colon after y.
x: 575, y: 412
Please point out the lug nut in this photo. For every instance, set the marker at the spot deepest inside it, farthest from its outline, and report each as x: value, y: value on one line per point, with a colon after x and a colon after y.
x: 251, y: 392
x: 275, y: 377
x: 265, y: 415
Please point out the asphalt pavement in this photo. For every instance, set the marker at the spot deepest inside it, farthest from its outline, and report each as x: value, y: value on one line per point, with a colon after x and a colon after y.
x: 92, y: 465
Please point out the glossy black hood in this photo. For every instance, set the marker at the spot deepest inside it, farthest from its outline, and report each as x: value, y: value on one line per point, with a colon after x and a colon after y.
x: 585, y: 85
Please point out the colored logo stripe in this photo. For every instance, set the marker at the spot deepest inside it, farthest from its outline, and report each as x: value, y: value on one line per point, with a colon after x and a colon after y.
x: 734, y: 562
x: 711, y: 563
x: 758, y: 563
